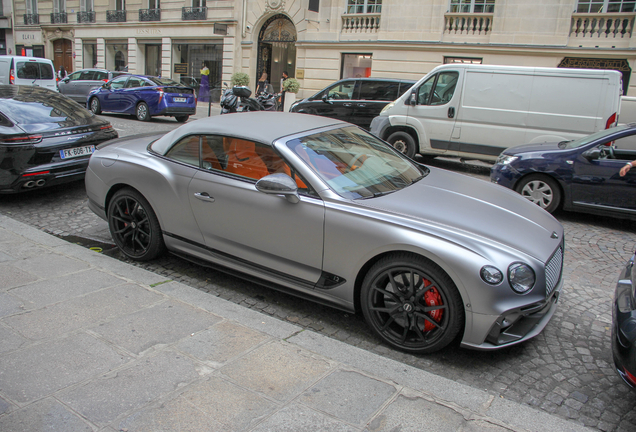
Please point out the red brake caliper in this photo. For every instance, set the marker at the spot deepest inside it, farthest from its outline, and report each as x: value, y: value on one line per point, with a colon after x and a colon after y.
x: 432, y: 298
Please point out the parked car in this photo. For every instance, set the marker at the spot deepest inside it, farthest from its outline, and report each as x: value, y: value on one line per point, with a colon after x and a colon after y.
x: 624, y: 325
x: 45, y: 138
x: 355, y: 100
x: 580, y: 175
x: 476, y: 111
x: 144, y: 97
x: 20, y: 70
x: 324, y: 210
x: 79, y: 84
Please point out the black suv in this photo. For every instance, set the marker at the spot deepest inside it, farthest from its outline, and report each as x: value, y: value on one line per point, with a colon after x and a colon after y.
x: 355, y: 100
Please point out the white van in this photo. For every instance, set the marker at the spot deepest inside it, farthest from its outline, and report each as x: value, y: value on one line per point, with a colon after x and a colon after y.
x: 477, y: 111
x: 21, y: 70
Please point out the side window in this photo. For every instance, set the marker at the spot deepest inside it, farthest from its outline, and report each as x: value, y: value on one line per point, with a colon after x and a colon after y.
x: 118, y: 83
x: 27, y: 70
x: 135, y: 82
x: 186, y: 150
x: 444, y: 88
x: 424, y: 91
x: 101, y: 76
x: 342, y: 91
x: 379, y: 90
x: 88, y: 76
x: 74, y: 76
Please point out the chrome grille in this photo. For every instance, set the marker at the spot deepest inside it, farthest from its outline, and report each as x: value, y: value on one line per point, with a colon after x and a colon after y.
x: 553, y: 270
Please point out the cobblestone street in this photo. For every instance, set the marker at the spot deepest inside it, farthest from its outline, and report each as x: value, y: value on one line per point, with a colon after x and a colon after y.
x: 567, y: 370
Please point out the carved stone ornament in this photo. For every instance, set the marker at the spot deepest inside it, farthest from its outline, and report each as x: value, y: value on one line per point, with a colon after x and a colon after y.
x: 274, y: 5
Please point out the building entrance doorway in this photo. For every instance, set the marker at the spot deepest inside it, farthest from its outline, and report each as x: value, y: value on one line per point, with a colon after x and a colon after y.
x: 276, y: 50
x: 63, y: 55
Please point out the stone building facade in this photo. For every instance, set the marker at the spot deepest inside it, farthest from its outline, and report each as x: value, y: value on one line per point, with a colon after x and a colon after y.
x: 321, y: 41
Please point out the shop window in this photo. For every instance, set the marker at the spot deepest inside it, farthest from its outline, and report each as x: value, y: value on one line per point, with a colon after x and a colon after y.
x: 472, y: 6
x: 598, y: 6
x: 356, y: 65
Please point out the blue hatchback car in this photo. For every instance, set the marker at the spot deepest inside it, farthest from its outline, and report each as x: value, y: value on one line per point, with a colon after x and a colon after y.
x: 580, y: 175
x: 144, y: 97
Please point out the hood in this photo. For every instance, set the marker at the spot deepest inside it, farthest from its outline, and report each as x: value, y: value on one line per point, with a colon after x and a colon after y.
x: 477, y: 208
x: 535, y: 147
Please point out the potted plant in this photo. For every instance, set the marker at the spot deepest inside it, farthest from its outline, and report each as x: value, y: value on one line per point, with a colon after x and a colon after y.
x: 240, y: 79
x: 290, y: 87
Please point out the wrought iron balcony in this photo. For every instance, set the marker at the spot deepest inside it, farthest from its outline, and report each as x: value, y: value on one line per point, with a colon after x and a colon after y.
x: 149, y: 14
x: 115, y: 16
x: 31, y: 19
x: 59, y: 18
x: 86, y: 17
x: 194, y: 13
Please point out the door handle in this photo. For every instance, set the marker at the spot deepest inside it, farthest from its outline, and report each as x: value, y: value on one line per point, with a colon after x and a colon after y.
x: 362, y: 105
x: 203, y: 196
x: 451, y: 112
x: 346, y: 104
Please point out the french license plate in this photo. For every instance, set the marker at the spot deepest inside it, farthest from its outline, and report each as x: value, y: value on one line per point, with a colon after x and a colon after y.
x: 77, y: 152
x: 179, y: 99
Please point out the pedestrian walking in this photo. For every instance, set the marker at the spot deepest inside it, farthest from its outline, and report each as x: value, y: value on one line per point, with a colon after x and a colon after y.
x: 61, y: 74
x: 282, y: 92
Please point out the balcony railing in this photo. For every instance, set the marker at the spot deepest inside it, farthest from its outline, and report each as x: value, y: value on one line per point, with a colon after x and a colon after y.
x: 31, y: 19
x: 360, y: 23
x: 86, y: 17
x: 602, y: 25
x: 194, y: 13
x: 59, y: 18
x: 115, y: 16
x: 468, y: 23
x: 149, y: 14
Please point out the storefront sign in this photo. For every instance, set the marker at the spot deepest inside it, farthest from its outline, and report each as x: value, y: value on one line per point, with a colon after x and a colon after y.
x: 28, y: 38
x: 148, y: 31
x: 300, y: 73
x: 592, y: 63
x: 181, y: 68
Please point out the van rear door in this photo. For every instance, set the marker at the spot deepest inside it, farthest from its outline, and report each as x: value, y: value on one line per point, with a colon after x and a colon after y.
x: 433, y: 109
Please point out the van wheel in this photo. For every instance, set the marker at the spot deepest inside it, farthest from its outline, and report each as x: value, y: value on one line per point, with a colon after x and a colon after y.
x: 403, y: 142
x: 96, y: 108
x: 541, y: 190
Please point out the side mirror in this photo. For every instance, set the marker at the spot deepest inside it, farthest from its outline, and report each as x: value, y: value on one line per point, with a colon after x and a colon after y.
x: 325, y: 99
x: 592, y: 154
x: 413, y: 99
x: 279, y: 184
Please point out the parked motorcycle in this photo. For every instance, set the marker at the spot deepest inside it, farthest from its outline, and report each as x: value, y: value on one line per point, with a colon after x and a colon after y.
x: 268, y: 99
x: 237, y: 99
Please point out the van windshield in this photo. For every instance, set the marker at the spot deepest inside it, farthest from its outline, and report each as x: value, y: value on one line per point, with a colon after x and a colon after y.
x: 589, y: 138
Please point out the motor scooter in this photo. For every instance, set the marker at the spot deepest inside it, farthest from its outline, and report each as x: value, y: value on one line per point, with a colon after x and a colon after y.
x: 237, y: 99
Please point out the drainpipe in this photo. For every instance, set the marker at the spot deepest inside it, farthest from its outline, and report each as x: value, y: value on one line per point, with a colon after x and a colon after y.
x: 244, y: 19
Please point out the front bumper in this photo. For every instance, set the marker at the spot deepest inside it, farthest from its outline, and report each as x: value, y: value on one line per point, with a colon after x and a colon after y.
x: 624, y: 326
x: 504, y: 175
x: 379, y: 125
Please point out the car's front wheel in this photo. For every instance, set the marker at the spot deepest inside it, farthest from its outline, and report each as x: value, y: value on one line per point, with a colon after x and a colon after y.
x: 541, y: 190
x: 142, y: 112
x: 182, y: 118
x: 134, y: 225
x: 96, y: 107
x: 403, y: 142
x: 412, y: 304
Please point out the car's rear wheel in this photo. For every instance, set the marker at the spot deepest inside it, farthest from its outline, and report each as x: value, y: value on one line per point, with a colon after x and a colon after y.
x: 134, y: 226
x: 142, y: 112
x: 96, y: 107
x: 403, y: 142
x: 541, y: 190
x: 411, y: 304
x: 182, y: 118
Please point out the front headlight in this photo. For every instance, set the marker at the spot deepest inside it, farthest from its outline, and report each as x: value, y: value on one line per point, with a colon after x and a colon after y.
x: 387, y: 107
x: 506, y: 159
x: 521, y: 277
x: 491, y: 275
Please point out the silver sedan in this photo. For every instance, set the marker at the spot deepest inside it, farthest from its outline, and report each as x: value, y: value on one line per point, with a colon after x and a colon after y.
x: 324, y: 210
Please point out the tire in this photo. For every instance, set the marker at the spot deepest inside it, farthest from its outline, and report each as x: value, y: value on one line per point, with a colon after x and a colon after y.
x: 418, y: 320
x: 96, y: 107
x: 182, y: 118
x: 541, y: 190
x: 134, y: 226
x: 403, y: 142
x: 142, y: 112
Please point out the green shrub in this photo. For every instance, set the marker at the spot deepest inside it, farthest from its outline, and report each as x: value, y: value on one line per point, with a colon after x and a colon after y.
x: 291, y: 85
x: 240, y: 79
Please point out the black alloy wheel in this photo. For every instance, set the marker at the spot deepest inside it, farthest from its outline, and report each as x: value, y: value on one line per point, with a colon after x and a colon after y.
x: 411, y: 304
x: 134, y: 226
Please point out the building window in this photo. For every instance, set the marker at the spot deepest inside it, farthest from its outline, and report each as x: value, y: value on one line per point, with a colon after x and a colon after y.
x: 314, y: 6
x: 86, y: 6
x: 596, y: 6
x: 153, y: 4
x: 364, y: 6
x: 120, y: 5
x: 59, y: 6
x: 198, y: 3
x: 472, y: 6
x: 32, y: 6
x: 356, y: 66
x: 466, y: 60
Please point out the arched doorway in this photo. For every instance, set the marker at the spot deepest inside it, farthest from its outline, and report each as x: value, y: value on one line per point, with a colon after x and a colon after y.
x: 277, y: 49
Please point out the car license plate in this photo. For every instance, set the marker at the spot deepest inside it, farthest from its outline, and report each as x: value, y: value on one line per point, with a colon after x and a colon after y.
x: 77, y: 152
x: 179, y: 99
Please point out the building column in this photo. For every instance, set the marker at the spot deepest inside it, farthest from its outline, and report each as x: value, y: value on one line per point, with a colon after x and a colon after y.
x: 101, y: 53
x: 166, y: 57
x: 78, y: 49
x: 228, y: 59
x: 133, y: 53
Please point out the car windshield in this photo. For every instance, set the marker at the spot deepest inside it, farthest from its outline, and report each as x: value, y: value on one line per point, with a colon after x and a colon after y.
x: 595, y: 136
x: 163, y: 81
x: 355, y: 164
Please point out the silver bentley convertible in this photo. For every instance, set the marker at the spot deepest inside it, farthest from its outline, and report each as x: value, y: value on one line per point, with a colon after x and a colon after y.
x: 324, y: 210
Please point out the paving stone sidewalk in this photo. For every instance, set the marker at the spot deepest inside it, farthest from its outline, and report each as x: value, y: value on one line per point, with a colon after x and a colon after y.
x: 88, y: 343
